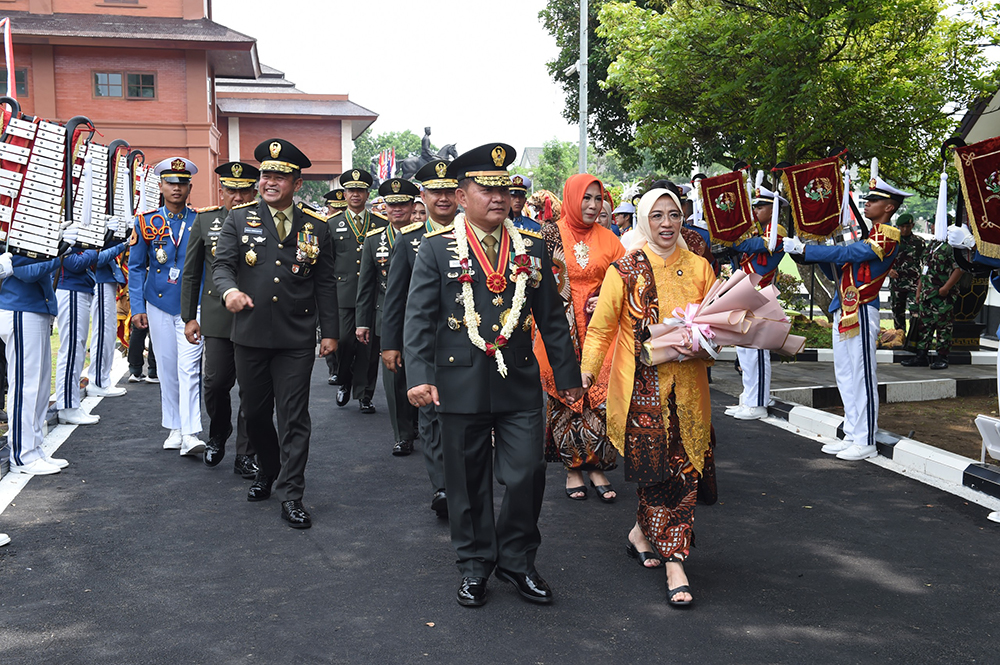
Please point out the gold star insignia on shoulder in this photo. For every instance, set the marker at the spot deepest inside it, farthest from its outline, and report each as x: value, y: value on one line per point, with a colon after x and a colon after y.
x: 498, y: 301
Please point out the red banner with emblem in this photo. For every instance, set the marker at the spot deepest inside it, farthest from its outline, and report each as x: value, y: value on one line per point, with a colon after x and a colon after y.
x: 815, y: 193
x: 726, y: 204
x: 979, y: 170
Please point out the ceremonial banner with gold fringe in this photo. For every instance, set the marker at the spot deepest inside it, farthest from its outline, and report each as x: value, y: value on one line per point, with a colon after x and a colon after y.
x: 726, y: 204
x: 815, y: 192
x: 979, y: 170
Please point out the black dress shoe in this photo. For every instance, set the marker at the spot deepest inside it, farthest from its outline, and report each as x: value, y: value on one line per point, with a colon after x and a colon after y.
x: 245, y: 466
x: 402, y: 448
x: 531, y: 586
x: 472, y: 592
x: 260, y: 489
x: 334, y: 380
x: 940, y: 363
x: 295, y: 514
x: 344, y: 395
x: 367, y: 406
x: 439, y: 503
x: 215, y: 450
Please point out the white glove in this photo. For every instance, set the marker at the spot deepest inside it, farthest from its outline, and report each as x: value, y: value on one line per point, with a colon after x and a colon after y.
x: 70, y: 233
x: 959, y: 236
x: 6, y: 267
x: 793, y: 246
x: 115, y: 224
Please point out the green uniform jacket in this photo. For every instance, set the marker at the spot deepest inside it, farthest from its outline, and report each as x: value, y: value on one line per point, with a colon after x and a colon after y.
x: 909, y: 257
x: 438, y: 352
x: 404, y: 255
x: 347, y: 246
x: 375, y: 259
x: 197, y: 283
x: 940, y: 264
x: 289, y: 290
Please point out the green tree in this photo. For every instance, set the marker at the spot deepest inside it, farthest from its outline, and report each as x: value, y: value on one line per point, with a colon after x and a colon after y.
x: 558, y: 161
x: 785, y: 80
x: 370, y: 144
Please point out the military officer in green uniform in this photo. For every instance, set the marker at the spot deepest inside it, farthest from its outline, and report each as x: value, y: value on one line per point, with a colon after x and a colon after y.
x: 274, y: 267
x: 336, y: 203
x: 468, y: 350
x: 399, y: 195
x: 935, y: 310
x: 905, y: 273
x: 205, y: 316
x: 357, y: 364
x: 439, y: 197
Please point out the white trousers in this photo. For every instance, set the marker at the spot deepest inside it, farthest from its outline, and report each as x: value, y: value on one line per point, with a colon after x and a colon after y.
x: 73, y: 323
x: 29, y: 374
x: 854, y: 365
x: 178, y: 365
x: 103, y: 331
x: 756, y: 366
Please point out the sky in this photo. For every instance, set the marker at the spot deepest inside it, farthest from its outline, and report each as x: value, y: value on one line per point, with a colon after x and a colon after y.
x: 473, y: 71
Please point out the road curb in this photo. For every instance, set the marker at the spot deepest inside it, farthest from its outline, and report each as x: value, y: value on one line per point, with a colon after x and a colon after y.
x: 908, y: 453
x: 891, y: 392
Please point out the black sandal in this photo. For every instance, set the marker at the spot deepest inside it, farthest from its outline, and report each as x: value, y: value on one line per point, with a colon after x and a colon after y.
x: 684, y: 588
x: 570, y: 491
x: 643, y: 557
x: 602, y: 490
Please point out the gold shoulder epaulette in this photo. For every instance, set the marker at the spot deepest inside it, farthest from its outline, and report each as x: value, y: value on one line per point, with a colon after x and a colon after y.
x: 411, y: 227
x: 313, y: 213
x: 245, y: 205
x: 890, y: 232
x: 439, y: 231
x: 533, y: 234
x: 382, y: 217
x: 208, y: 209
x: 375, y: 232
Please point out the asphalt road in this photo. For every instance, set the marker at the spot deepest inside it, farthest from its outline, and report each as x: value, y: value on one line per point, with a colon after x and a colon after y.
x: 135, y: 555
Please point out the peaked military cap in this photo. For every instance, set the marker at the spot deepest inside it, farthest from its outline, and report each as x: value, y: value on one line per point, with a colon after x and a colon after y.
x: 356, y: 179
x: 397, y: 190
x: 176, y: 170
x: 237, y: 175
x: 280, y: 156
x: 880, y: 189
x: 487, y: 165
x: 335, y: 198
x: 434, y: 175
x: 520, y: 183
x: 764, y: 196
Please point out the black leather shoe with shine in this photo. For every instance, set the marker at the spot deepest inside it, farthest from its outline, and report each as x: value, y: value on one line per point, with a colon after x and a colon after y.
x: 260, y: 489
x: 402, y: 448
x: 246, y: 466
x: 366, y: 405
x: 439, y: 503
x: 334, y: 380
x: 214, y: 452
x: 531, y: 586
x: 295, y: 514
x: 344, y: 395
x: 472, y: 592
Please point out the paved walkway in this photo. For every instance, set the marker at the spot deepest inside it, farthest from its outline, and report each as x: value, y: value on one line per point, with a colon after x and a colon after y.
x: 135, y: 555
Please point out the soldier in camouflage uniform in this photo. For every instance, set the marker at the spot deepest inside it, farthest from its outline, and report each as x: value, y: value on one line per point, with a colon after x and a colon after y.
x: 906, y: 272
x: 935, y: 309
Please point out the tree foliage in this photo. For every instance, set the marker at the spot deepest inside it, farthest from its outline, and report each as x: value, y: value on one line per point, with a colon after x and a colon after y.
x: 370, y: 144
x: 786, y: 80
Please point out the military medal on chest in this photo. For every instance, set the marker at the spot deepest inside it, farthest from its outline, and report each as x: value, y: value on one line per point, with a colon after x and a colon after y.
x: 161, y: 255
x: 251, y: 257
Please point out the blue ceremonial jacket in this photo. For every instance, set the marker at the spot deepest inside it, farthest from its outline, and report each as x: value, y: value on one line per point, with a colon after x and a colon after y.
x: 75, y: 273
x: 755, y: 248
x: 527, y: 223
x: 107, y: 270
x: 857, y: 255
x: 29, y: 289
x: 149, y: 280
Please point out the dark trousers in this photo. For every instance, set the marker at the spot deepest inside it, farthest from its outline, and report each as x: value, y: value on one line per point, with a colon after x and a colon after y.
x: 429, y: 429
x: 357, y: 363
x: 470, y: 460
x: 136, y: 345
x: 276, y: 381
x: 219, y: 379
x: 899, y: 299
x: 402, y: 414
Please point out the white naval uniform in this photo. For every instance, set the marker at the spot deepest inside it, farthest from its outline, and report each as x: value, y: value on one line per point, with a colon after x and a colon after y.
x: 103, y: 332
x: 178, y: 364
x: 854, y: 366
x: 756, y: 367
x: 73, y: 322
x: 29, y: 375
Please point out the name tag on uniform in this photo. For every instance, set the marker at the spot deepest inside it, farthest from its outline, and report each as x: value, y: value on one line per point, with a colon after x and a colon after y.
x: 172, y: 276
x: 454, y: 263
x: 253, y: 231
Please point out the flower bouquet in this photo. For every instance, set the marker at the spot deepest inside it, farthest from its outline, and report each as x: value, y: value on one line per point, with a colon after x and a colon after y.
x: 733, y: 313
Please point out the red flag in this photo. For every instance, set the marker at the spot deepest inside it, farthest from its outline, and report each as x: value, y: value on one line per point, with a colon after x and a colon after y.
x: 979, y: 170
x: 727, y: 207
x: 816, y: 193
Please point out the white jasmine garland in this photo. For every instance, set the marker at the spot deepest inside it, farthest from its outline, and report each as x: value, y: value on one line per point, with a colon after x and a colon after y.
x: 471, y: 318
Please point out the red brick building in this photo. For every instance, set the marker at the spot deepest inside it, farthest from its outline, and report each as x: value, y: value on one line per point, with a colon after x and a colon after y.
x: 163, y: 76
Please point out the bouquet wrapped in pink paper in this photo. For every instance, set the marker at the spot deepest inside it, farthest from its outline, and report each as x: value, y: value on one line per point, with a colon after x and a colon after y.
x: 734, y: 313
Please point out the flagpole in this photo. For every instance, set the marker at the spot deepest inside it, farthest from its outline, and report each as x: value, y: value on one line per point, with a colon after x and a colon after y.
x: 583, y: 85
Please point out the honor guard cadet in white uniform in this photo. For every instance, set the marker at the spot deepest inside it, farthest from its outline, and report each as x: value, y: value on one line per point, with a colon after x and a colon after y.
x: 754, y: 258
x: 858, y: 270
x: 375, y: 260
x: 206, y: 317
x: 27, y: 308
x: 104, y: 320
x: 439, y: 197
x: 74, y: 283
x: 357, y: 364
x: 156, y: 259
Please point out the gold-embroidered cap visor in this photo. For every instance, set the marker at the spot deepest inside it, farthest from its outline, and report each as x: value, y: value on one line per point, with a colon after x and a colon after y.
x: 278, y: 166
x: 398, y: 198
x: 443, y: 183
x: 237, y: 183
x: 490, y: 178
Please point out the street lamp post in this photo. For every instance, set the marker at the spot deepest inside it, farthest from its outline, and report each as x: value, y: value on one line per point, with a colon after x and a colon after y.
x: 583, y: 85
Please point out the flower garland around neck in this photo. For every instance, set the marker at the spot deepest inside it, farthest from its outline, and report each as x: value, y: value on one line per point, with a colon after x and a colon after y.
x: 521, y: 274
